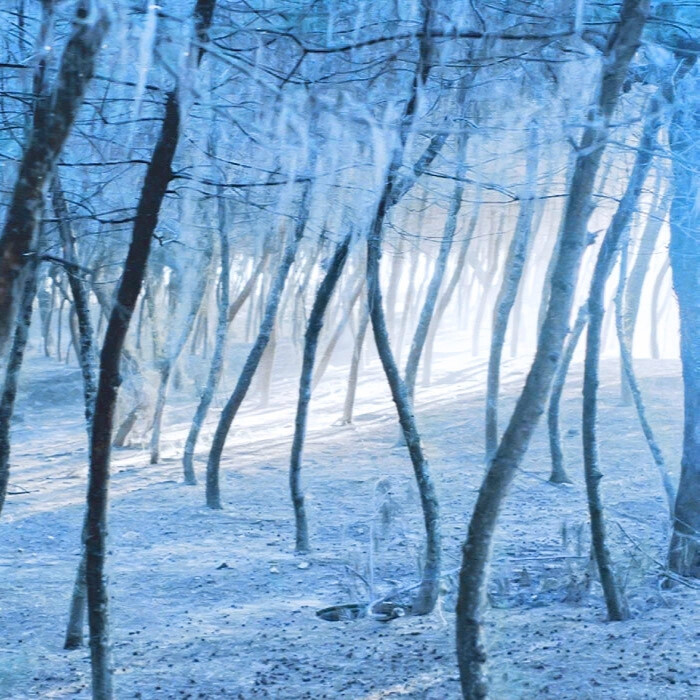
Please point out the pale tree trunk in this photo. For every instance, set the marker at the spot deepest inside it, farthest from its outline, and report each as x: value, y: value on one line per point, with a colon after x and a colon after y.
x: 349, y: 404
x: 684, y: 255
x: 633, y: 386
x: 313, y: 329
x: 471, y: 653
x: 558, y: 474
x: 447, y: 295
x: 487, y: 277
x: 655, y: 312
x: 213, y: 489
x: 512, y: 274
x: 635, y: 283
x: 614, y: 596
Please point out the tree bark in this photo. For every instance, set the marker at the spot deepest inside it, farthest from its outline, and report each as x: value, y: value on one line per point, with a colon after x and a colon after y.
x: 471, y: 653
x: 54, y: 115
x: 313, y: 329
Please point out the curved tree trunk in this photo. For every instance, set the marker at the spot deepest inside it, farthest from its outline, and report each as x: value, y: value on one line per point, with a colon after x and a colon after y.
x: 558, y: 474
x: 313, y: 329
x: 513, y: 272
x: 213, y: 490
x: 471, y: 653
x: 633, y: 386
x: 614, y: 598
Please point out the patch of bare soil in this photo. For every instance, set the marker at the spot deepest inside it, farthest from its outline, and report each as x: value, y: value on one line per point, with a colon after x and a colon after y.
x: 216, y: 605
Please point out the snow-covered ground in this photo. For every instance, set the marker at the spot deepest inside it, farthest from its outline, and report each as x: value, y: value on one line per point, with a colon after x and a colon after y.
x: 213, y: 604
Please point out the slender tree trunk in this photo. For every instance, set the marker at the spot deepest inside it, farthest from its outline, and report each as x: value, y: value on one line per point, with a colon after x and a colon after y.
x: 217, y: 361
x: 655, y: 315
x: 471, y: 653
x: 313, y: 329
x: 633, y: 386
x: 614, y: 597
x: 213, y: 490
x: 635, y: 283
x: 558, y: 474
x: 513, y: 272
x: 349, y: 404
x: 446, y: 297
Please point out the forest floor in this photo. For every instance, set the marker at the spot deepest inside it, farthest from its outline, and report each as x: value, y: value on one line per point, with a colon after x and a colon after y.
x: 214, y: 604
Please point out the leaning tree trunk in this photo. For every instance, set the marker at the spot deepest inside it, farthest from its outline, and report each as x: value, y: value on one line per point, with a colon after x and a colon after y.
x: 633, y: 386
x: 471, y: 653
x: 638, y: 273
x: 513, y: 272
x: 684, y: 254
x: 14, y: 364
x: 558, y: 474
x: 53, y: 119
x: 614, y: 597
x: 313, y: 329
x: 656, y: 310
x: 158, y: 175
x: 213, y: 489
x: 86, y: 356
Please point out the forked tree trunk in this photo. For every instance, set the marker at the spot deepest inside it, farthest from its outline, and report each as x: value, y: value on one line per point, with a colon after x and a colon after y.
x: 512, y: 274
x: 313, y: 329
x: 558, y: 474
x: 217, y: 360
x: 614, y: 596
x: 471, y: 653
x: 213, y: 489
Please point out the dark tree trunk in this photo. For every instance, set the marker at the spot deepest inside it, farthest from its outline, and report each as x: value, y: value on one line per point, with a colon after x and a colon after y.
x: 471, y: 653
x: 313, y: 329
x: 54, y: 114
x: 14, y: 364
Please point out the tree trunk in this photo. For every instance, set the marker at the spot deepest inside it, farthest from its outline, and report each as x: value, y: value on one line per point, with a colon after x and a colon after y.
x: 53, y: 119
x: 635, y: 283
x: 513, y: 272
x: 471, y: 653
x: 655, y: 311
x: 349, y: 404
x: 313, y: 329
x: 558, y: 474
x: 213, y: 490
x: 684, y: 255
x: 614, y: 597
x: 14, y: 365
x: 633, y: 386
